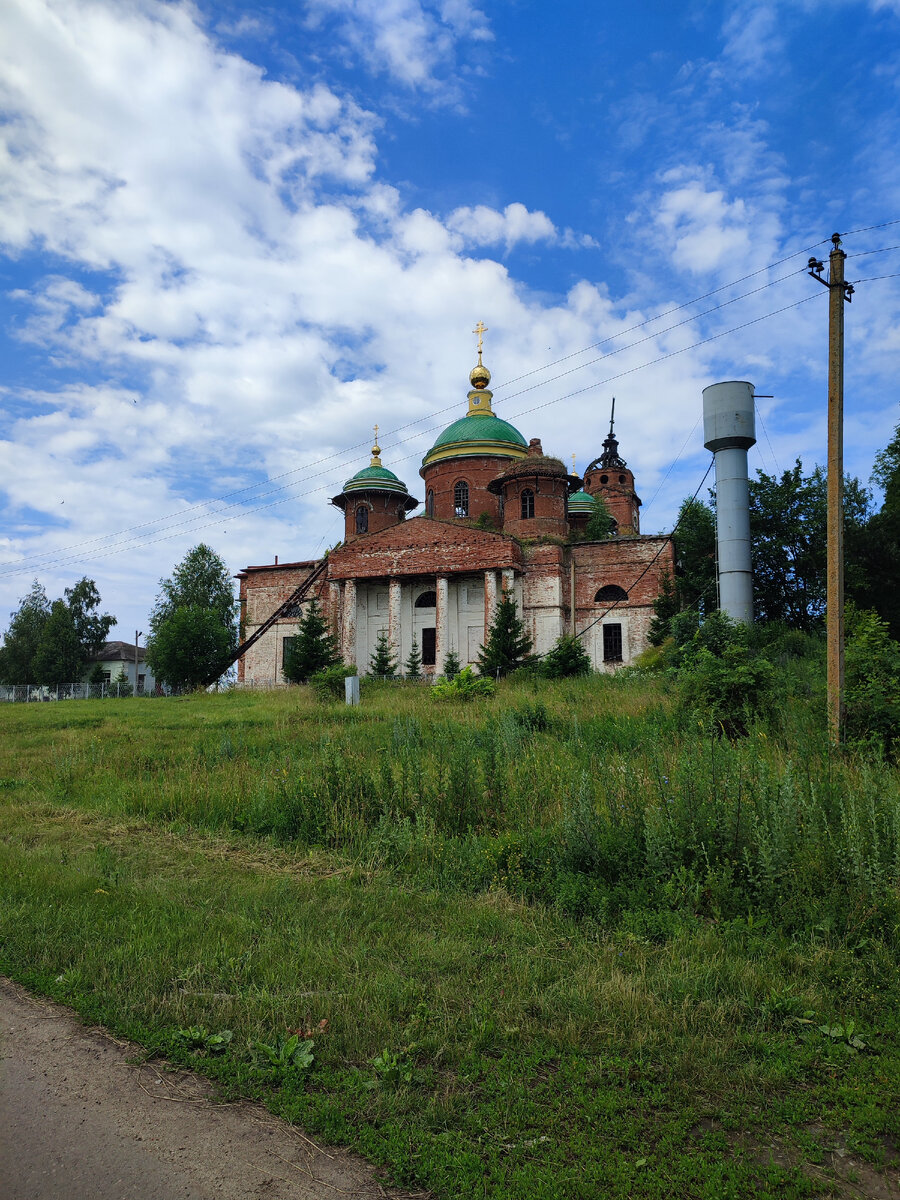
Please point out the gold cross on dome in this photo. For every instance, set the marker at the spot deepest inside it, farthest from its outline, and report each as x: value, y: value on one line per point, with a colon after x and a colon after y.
x: 375, y: 427
x: 574, y: 472
x: 481, y: 329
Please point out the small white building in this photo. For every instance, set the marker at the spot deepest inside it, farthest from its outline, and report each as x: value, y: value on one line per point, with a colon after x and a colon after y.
x: 116, y: 658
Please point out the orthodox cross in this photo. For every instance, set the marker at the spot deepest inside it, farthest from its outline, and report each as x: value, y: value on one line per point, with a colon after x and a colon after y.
x: 481, y: 329
x: 375, y: 427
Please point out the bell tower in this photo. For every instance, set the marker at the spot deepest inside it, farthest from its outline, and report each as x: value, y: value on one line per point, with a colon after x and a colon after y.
x: 608, y: 476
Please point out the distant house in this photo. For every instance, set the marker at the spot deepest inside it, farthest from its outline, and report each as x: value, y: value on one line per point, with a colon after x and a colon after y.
x: 116, y: 657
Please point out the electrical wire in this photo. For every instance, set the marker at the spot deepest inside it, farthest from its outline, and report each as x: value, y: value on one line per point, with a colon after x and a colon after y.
x: 204, y: 504
x: 667, y: 538
x: 176, y: 531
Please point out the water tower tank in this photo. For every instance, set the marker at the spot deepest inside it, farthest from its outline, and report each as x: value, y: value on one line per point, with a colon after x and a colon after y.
x: 729, y: 430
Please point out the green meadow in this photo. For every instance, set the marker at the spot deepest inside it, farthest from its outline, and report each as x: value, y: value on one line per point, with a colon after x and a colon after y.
x: 563, y: 942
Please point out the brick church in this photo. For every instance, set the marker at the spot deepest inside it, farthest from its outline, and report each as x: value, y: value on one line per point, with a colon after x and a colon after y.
x: 499, y: 514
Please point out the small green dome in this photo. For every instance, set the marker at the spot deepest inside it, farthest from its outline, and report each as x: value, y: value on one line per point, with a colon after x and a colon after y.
x: 581, y: 502
x: 478, y: 433
x: 375, y: 479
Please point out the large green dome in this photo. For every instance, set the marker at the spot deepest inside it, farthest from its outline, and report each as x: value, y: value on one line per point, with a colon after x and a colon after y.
x: 478, y: 433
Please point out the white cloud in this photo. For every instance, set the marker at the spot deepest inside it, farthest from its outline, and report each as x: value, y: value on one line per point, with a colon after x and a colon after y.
x: 412, y: 41
x: 484, y: 226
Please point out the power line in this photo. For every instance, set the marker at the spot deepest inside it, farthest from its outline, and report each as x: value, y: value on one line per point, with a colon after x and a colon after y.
x: 204, y: 504
x: 66, y: 558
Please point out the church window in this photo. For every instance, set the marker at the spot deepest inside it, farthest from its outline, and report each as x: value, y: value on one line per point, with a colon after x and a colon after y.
x: 527, y: 504
x: 610, y: 594
x: 612, y: 643
x: 621, y: 479
x: 362, y: 519
x: 427, y: 600
x: 461, y: 499
x: 604, y: 479
x: 429, y: 502
x: 429, y: 647
x: 286, y: 649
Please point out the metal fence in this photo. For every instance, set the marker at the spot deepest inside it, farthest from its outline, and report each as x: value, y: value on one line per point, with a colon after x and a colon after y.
x: 29, y: 693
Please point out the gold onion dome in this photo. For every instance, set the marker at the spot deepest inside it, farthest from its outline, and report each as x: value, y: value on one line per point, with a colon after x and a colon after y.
x: 479, y: 376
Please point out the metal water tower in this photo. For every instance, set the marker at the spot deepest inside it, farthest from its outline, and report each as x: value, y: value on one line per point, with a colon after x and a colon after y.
x: 729, y: 430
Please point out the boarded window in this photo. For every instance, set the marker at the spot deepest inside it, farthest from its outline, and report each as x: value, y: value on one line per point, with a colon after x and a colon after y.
x: 612, y: 643
x: 362, y: 519
x: 429, y: 647
x: 427, y: 600
x: 429, y: 502
x: 461, y: 499
x: 527, y: 504
x: 286, y: 649
x: 610, y: 594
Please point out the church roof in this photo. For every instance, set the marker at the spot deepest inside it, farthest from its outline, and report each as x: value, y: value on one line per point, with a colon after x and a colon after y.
x: 581, y: 502
x: 375, y: 479
x: 478, y: 433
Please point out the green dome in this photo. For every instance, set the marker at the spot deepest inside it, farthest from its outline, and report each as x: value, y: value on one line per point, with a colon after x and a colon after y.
x: 377, y: 479
x: 581, y: 502
x: 478, y: 434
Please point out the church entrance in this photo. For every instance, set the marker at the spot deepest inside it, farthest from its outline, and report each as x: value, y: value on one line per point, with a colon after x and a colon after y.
x: 429, y: 647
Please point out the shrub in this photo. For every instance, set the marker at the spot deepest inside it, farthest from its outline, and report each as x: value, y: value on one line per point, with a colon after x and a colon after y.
x: 329, y: 684
x: 872, y: 681
x: 567, y: 658
x: 465, y: 686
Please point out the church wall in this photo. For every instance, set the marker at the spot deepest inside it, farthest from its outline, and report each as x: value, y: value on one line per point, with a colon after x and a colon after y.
x: 424, y: 547
x: 262, y: 590
x: 477, y: 470
x: 384, y: 510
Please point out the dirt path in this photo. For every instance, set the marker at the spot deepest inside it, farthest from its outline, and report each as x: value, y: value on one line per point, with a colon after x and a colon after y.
x: 78, y: 1122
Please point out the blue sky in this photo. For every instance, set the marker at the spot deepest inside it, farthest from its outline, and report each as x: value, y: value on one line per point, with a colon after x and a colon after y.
x: 235, y: 236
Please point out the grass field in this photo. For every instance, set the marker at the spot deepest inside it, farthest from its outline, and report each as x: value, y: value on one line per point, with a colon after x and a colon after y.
x: 567, y: 942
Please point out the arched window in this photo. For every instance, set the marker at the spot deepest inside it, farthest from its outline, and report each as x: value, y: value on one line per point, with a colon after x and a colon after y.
x: 427, y: 600
x: 461, y: 499
x: 429, y: 502
x: 362, y: 519
x: 610, y: 594
x: 527, y: 504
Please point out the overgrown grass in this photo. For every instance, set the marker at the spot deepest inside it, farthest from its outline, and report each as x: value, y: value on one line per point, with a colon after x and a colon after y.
x: 598, y: 939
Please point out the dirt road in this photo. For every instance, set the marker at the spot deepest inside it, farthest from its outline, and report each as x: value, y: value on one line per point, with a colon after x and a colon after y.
x: 78, y: 1122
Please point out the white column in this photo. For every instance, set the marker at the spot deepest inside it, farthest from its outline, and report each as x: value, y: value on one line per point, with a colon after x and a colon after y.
x: 394, y: 618
x: 348, y: 627
x: 333, y: 612
x: 509, y: 582
x: 441, y: 647
x: 490, y: 598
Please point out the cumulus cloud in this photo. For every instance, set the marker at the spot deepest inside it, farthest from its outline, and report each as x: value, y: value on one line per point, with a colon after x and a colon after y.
x: 412, y: 41
x: 484, y: 226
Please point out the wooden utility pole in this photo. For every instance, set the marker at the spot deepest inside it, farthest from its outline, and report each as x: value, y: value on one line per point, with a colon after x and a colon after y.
x: 839, y: 291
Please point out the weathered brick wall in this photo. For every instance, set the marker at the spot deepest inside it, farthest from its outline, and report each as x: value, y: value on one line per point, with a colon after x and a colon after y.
x: 620, y: 563
x: 477, y: 471
x: 616, y: 486
x: 424, y: 547
x: 549, y: 506
x: 262, y: 590
x: 384, y: 508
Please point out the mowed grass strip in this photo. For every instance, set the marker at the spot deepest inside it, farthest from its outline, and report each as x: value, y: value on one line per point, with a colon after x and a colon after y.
x: 260, y: 863
x: 548, y: 1063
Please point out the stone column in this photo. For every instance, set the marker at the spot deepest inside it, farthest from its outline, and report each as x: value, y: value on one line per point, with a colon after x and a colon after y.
x: 509, y: 581
x: 348, y: 627
x: 441, y: 648
x: 333, y: 610
x: 490, y: 598
x: 394, y: 619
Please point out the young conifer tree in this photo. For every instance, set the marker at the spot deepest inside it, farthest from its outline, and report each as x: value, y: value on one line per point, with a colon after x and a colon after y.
x: 451, y: 664
x: 507, y: 645
x: 413, y: 664
x: 382, y: 663
x: 313, y: 649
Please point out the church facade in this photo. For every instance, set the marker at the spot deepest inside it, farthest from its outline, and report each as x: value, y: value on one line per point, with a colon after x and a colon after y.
x: 499, y: 515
